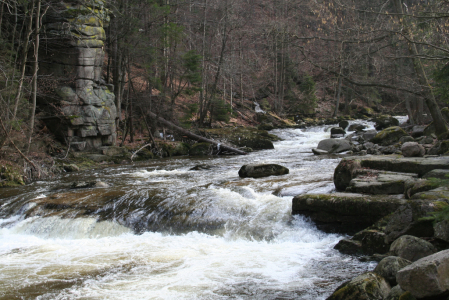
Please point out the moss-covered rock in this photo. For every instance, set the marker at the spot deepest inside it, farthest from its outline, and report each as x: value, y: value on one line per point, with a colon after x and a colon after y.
x: 385, y: 121
x: 143, y: 155
x: 200, y: 149
x: 344, y: 212
x: 412, y: 248
x: 242, y: 137
x: 368, y: 286
x: 389, y: 266
x: 9, y: 177
x: 389, y: 136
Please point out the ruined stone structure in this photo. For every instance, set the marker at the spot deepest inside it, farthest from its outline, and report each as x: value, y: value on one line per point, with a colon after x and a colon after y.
x: 72, y: 53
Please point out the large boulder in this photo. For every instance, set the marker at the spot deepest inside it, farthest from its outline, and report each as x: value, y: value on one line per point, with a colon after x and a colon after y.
x: 344, y: 212
x: 389, y: 267
x: 368, y: 286
x: 410, y: 219
x: 262, y: 170
x: 334, y: 145
x: 388, y: 136
x: 369, y: 135
x: 413, y: 149
x: 383, y: 122
x: 343, y: 124
x: 412, y: 248
x: 442, y: 230
x: 427, y: 277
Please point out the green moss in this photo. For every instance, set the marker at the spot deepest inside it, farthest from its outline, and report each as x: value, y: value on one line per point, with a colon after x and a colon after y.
x: 10, y: 177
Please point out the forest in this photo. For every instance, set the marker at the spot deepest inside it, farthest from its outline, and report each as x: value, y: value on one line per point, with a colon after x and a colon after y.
x: 202, y: 63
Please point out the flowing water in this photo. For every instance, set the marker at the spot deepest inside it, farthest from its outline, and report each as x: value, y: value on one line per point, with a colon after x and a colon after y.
x: 163, y: 231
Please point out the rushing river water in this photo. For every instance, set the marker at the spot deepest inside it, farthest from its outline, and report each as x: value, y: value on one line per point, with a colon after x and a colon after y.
x: 162, y: 231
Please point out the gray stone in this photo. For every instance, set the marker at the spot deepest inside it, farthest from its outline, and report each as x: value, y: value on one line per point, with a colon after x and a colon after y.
x: 437, y: 173
x: 368, y: 286
x: 379, y: 182
x: 412, y: 149
x: 337, y: 130
x: 426, y: 140
x: 417, y: 131
x: 262, y: 170
x: 389, y: 267
x: 369, y: 134
x: 427, y: 277
x: 411, y: 248
x: 406, y: 139
x: 397, y: 293
x: 349, y: 246
x: 356, y: 127
x: 334, y: 145
x: 442, y: 230
x: 408, y: 220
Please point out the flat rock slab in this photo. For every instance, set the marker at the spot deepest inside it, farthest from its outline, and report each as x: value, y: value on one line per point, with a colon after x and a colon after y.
x: 380, y: 182
x: 345, y: 212
x: 435, y: 194
x: 347, y: 168
x: 396, y: 163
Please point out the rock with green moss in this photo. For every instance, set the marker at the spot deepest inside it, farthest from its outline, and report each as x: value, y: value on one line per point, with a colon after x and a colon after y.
x: 181, y: 149
x: 345, y: 212
x: 397, y: 293
x: 143, y: 155
x: 389, y: 136
x: 10, y: 177
x: 411, y: 219
x: 437, y: 173
x: 200, y: 149
x: 389, y: 267
x: 70, y: 168
x: 242, y: 137
x: 372, y: 241
x: 415, y: 186
x: 262, y: 170
x: 385, y: 121
x: 435, y: 194
x: 368, y: 286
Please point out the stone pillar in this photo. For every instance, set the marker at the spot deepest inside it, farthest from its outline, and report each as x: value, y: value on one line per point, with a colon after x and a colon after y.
x: 72, y: 54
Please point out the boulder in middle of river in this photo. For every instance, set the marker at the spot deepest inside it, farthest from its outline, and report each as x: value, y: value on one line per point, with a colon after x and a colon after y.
x: 262, y: 170
x: 334, y: 145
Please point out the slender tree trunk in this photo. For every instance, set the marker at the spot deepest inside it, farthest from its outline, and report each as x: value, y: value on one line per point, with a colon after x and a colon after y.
x: 35, y: 68
x: 440, y: 125
x: 24, y: 60
x: 337, y: 104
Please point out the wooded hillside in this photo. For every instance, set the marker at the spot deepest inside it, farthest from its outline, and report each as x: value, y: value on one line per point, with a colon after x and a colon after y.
x: 197, y: 62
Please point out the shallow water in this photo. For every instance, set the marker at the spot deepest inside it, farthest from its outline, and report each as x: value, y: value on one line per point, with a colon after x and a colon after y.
x: 162, y: 231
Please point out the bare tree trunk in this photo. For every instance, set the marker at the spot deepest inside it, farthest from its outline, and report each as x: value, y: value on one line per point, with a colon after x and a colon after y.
x: 24, y: 60
x: 35, y: 68
x: 440, y: 125
x: 337, y: 104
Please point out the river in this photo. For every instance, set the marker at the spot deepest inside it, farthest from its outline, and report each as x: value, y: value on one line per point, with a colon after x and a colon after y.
x: 163, y: 231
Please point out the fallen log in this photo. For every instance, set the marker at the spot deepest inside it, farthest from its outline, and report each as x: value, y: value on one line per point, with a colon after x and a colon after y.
x: 194, y: 136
